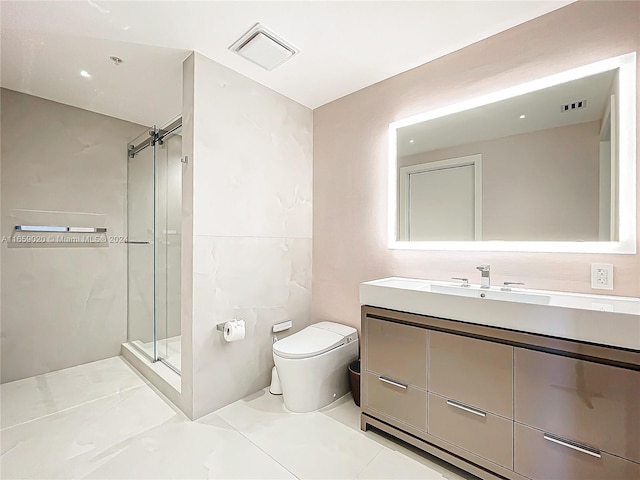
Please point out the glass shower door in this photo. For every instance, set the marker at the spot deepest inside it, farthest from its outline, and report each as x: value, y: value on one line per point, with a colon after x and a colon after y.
x: 141, y: 245
x: 168, y: 222
x: 154, y: 231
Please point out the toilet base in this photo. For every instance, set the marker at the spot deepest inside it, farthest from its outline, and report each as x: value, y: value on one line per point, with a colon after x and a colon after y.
x: 275, y: 388
x: 310, y: 384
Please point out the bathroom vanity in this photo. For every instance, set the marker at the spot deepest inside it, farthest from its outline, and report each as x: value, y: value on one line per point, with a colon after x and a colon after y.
x: 513, y: 386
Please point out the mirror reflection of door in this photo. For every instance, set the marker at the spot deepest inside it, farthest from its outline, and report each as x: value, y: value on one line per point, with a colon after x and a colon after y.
x: 443, y: 200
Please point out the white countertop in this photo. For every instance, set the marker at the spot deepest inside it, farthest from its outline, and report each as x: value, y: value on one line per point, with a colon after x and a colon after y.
x: 601, y: 319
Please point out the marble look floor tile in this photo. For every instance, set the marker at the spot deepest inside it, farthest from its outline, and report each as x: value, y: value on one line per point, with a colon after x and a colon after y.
x: 391, y: 464
x: 311, y: 445
x: 345, y: 411
x: 72, y: 443
x: 136, y: 434
x: 445, y: 470
x: 261, y: 407
x: 191, y: 450
x: 34, y: 397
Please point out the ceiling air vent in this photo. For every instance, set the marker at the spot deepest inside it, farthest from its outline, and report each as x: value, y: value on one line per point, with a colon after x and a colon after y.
x: 567, y: 107
x: 263, y: 48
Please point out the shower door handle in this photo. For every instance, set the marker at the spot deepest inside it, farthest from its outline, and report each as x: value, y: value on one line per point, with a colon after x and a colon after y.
x: 133, y: 242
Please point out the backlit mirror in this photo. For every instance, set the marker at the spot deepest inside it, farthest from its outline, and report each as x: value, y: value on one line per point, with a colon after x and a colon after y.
x: 545, y: 166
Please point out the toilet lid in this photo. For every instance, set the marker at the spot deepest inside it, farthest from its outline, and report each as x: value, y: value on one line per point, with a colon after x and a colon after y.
x: 308, y: 342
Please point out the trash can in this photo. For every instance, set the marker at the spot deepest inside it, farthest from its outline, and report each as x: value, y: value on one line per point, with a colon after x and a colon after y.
x: 354, y: 380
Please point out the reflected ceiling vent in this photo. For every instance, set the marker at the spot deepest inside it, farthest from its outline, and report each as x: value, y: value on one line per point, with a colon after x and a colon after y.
x: 567, y: 107
x: 263, y: 48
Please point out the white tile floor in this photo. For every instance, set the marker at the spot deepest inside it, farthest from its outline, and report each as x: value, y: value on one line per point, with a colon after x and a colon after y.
x: 102, y: 420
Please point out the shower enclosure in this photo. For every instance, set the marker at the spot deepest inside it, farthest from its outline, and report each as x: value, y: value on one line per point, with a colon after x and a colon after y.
x: 154, y: 207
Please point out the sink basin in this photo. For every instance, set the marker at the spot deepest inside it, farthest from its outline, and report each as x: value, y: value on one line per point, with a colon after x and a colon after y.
x: 491, y: 294
x: 601, y: 319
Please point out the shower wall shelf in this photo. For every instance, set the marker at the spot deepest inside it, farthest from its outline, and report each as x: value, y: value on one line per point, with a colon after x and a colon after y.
x: 54, y: 229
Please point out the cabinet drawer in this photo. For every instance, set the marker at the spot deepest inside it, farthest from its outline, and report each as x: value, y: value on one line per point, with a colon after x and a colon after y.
x: 475, y: 372
x: 409, y: 405
x: 543, y: 458
x: 588, y: 402
x: 398, y: 351
x: 482, y: 433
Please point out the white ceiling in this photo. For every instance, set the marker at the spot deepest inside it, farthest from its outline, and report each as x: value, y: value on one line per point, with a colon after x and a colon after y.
x: 344, y: 45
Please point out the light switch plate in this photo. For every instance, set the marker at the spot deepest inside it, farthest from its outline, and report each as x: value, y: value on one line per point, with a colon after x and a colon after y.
x: 602, y: 276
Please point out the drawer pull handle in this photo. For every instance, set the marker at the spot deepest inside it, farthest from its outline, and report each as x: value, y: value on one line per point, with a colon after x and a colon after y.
x: 391, y: 382
x: 466, y: 408
x: 573, y: 445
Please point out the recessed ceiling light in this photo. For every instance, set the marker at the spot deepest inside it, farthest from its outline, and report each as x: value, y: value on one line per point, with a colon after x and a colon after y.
x: 85, y: 74
x: 412, y: 141
x: 263, y: 47
x: 523, y: 116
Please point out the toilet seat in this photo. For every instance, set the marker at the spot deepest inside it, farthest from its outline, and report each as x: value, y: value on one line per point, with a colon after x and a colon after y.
x: 314, y: 340
x: 307, y: 343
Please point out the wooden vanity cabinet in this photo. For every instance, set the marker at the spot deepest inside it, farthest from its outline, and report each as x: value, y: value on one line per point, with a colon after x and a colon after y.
x: 499, y: 403
x: 395, y: 372
x: 472, y: 371
x: 585, y: 402
x: 538, y: 457
x: 397, y: 351
x: 471, y: 395
x: 403, y: 403
x: 481, y: 433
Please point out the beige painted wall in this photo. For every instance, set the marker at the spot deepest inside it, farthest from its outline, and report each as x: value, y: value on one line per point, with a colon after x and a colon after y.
x: 350, y: 159
x: 250, y: 181
x: 541, y: 185
x: 62, y: 305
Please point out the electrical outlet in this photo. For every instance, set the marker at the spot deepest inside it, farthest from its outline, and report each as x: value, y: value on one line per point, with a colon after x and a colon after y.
x: 602, y: 276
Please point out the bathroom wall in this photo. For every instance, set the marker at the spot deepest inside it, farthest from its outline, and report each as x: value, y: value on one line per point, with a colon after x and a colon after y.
x: 350, y: 159
x: 250, y: 174
x: 541, y: 185
x: 62, y: 305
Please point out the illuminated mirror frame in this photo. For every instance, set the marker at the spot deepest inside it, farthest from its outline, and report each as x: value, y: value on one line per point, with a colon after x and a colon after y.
x: 626, y: 243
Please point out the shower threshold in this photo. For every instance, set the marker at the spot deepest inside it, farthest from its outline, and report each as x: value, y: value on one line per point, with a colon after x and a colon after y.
x: 170, y: 351
x: 160, y: 375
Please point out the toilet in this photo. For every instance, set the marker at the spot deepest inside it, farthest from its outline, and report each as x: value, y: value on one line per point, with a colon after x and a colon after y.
x: 312, y: 365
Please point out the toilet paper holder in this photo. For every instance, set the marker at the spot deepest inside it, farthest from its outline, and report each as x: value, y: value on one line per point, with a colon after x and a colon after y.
x: 233, y: 330
x: 220, y: 326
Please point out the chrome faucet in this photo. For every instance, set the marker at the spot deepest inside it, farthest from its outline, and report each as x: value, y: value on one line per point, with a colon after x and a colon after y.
x: 465, y: 281
x: 485, y: 280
